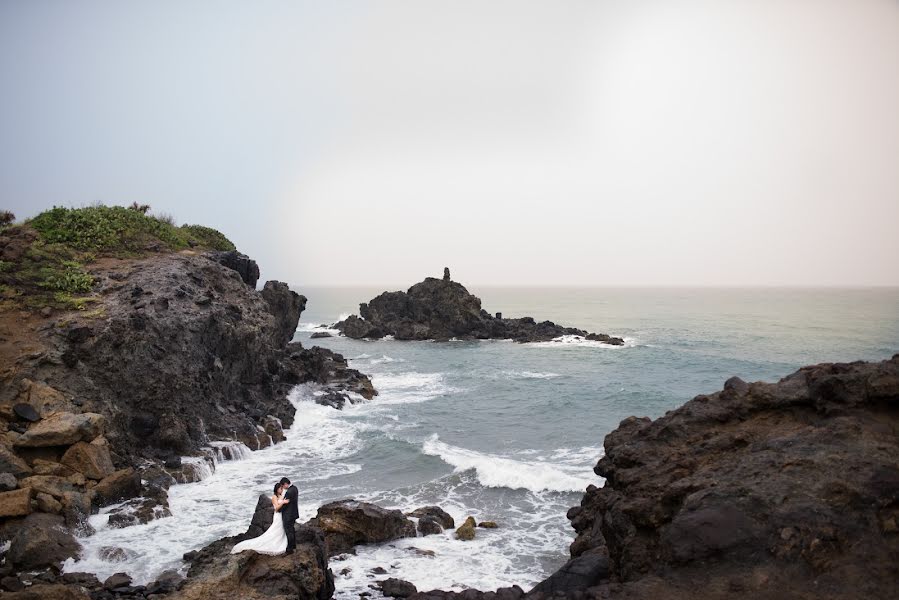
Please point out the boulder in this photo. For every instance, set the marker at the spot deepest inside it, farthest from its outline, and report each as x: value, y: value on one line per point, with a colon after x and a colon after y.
x: 41, y: 540
x: 117, y: 580
x: 319, y: 335
x: 62, y: 429
x: 466, y: 531
x: 26, y: 412
x: 49, y: 484
x: 488, y: 525
x: 396, y: 588
x: 16, y: 503
x: 48, y: 504
x: 578, y: 573
x: 12, y: 463
x: 437, y: 513
x: 7, y: 482
x: 49, y: 467
x: 48, y: 592
x: 215, y: 574
x: 92, y: 460
x: 347, y: 523
x: 429, y: 526
x: 167, y: 582
x: 120, y: 485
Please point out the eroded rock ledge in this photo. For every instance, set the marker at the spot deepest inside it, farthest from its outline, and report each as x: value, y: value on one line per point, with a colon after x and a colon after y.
x: 761, y: 490
x: 442, y: 309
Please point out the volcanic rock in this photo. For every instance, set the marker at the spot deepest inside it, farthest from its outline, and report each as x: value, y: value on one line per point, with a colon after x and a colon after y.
x: 16, y: 503
x: 90, y: 459
x: 429, y: 526
x: 396, y: 588
x: 466, y: 531
x: 441, y: 309
x: 7, y: 482
x: 25, y: 411
x: 347, y: 523
x: 215, y: 574
x: 10, y: 462
x: 243, y: 264
x: 118, y: 486
x: 437, y: 513
x: 788, y: 489
x: 41, y: 540
x: 62, y: 429
x: 48, y: 592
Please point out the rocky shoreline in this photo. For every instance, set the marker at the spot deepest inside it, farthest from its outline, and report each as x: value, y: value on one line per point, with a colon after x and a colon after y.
x: 176, y: 363
x: 442, y: 309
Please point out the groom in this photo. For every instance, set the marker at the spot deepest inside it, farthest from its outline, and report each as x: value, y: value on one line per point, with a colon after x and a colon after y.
x: 289, y: 514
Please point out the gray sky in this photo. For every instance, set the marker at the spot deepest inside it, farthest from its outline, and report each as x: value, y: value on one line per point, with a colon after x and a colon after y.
x: 595, y: 143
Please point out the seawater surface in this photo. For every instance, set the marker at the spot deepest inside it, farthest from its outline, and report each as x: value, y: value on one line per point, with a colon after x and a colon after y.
x: 502, y: 431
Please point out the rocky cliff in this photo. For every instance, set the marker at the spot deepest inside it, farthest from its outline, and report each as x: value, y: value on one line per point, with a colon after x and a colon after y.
x: 154, y: 352
x: 761, y: 490
x: 442, y: 309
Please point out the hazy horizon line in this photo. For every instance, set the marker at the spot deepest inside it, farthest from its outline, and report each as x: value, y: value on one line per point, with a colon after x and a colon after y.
x: 822, y: 286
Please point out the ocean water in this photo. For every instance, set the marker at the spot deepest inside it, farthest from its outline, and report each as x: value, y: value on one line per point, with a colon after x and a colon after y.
x: 502, y: 431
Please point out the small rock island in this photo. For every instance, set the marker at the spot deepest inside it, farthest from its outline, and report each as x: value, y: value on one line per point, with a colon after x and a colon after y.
x: 442, y: 309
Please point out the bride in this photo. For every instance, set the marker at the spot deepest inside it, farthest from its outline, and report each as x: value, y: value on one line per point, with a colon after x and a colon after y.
x: 274, y: 540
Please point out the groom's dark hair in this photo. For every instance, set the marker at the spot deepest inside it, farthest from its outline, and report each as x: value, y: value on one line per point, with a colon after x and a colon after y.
x: 283, y: 481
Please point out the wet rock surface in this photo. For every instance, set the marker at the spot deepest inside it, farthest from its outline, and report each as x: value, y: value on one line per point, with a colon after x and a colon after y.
x: 442, y: 309
x: 761, y: 490
x: 346, y: 523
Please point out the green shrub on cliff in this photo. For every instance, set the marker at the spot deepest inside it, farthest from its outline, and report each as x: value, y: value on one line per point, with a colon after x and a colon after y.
x: 116, y: 229
x: 48, y: 254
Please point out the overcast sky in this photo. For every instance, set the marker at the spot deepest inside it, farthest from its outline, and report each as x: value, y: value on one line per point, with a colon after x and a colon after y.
x: 593, y: 143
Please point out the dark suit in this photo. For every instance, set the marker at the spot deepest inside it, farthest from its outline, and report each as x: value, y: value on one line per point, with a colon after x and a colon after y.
x: 289, y: 514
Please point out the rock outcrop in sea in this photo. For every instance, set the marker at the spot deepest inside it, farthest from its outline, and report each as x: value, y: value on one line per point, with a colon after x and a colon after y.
x: 442, y: 309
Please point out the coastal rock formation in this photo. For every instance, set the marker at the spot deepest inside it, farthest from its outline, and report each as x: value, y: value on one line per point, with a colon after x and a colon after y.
x: 442, y: 309
x: 346, y: 523
x: 179, y: 350
x: 216, y: 574
x: 761, y: 490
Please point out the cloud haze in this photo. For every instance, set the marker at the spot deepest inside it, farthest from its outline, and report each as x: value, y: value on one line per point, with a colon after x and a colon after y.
x: 618, y: 143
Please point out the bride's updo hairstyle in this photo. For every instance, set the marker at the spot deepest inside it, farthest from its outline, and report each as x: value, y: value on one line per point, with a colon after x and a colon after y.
x: 277, y: 485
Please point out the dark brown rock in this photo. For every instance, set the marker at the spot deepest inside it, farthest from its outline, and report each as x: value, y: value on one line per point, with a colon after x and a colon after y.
x: 41, y: 540
x: 466, y: 531
x: 396, y: 588
x: 346, y: 523
x: 429, y: 526
x: 120, y: 485
x: 437, y: 513
x: 442, y: 309
x: 48, y: 592
x: 91, y: 460
x: 215, y: 574
x: 766, y: 490
x: 26, y: 412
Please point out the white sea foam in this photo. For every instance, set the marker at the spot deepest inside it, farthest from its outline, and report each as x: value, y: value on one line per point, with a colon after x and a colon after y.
x: 222, y: 503
x: 496, y: 471
x: 385, y: 359
x: 409, y: 387
x: 568, y: 341
x: 528, y: 375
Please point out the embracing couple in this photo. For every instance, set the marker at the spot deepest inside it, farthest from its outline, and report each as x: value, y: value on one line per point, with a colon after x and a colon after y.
x: 280, y: 537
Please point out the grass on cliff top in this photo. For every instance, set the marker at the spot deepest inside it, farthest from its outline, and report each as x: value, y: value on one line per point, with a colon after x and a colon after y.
x: 42, y: 261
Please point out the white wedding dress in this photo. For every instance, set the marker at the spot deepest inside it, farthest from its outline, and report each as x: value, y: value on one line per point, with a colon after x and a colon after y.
x: 273, y: 541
